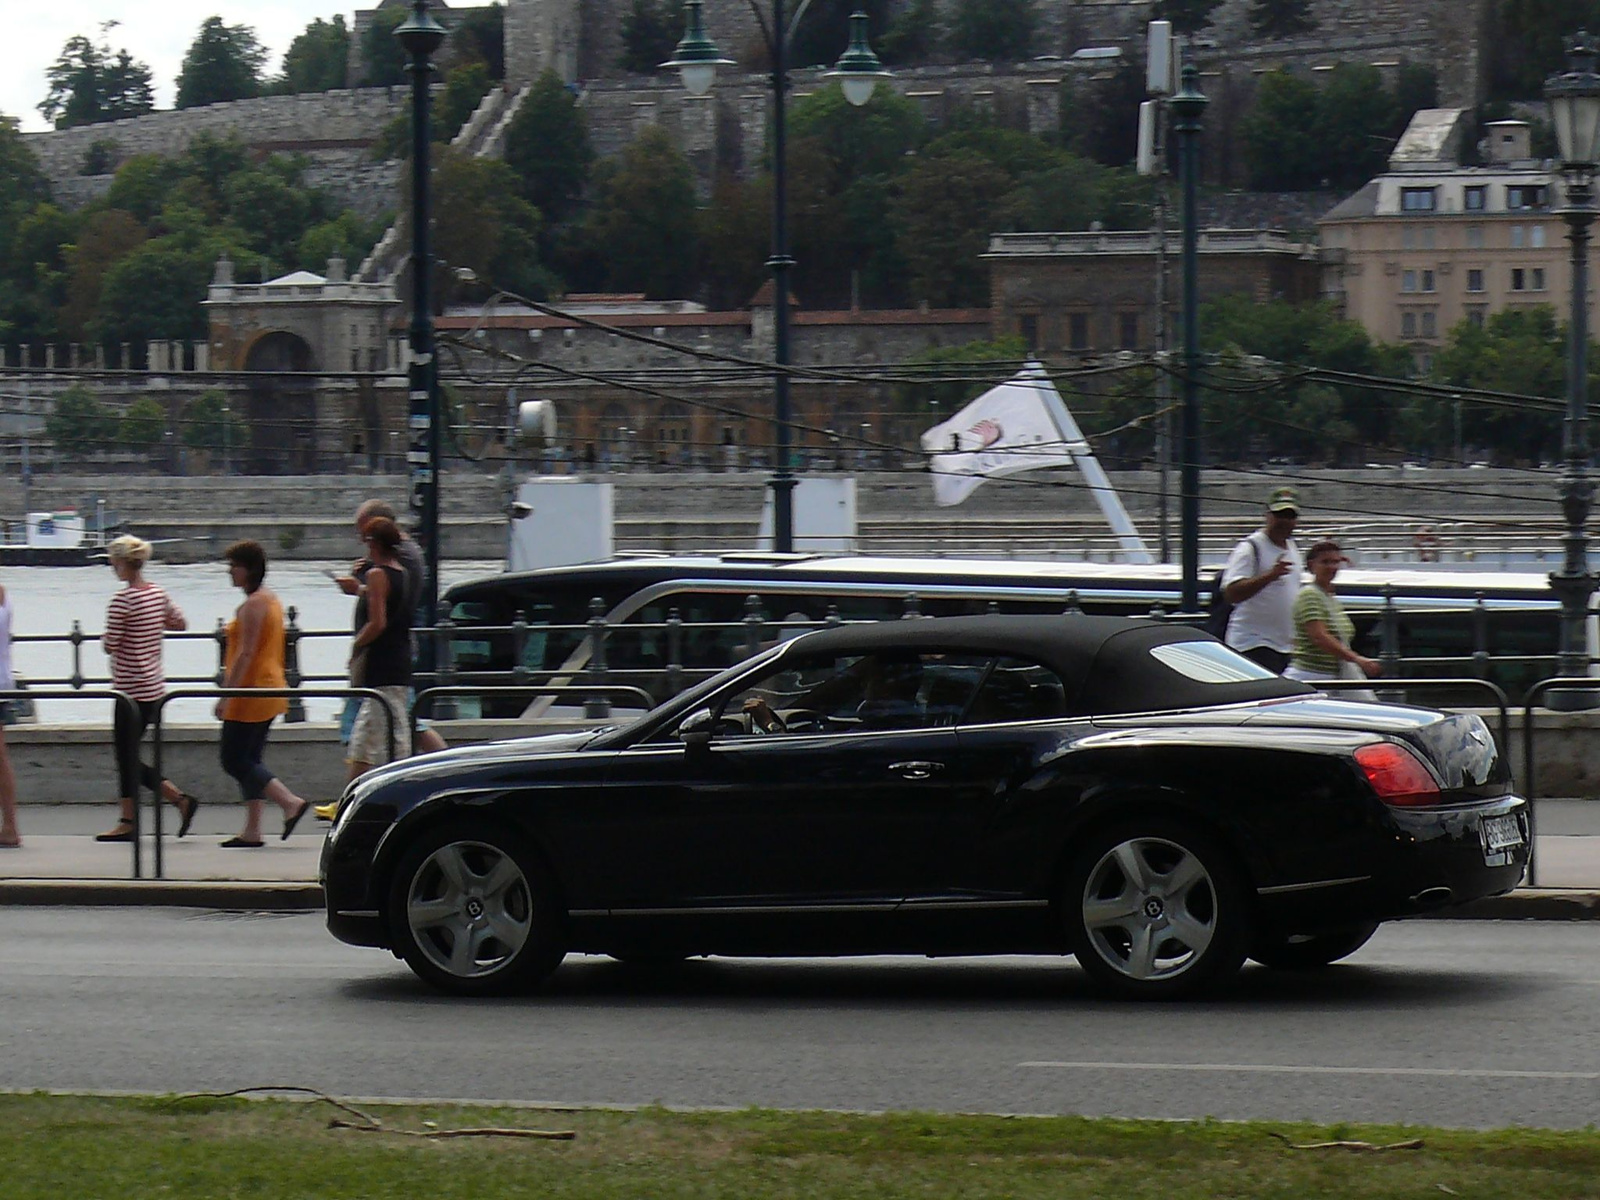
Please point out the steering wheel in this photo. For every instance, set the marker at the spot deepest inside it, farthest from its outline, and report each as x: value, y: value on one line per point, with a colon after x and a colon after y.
x: 804, y: 720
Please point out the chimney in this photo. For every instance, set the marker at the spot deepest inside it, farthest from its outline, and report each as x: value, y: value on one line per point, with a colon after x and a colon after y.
x: 1508, y: 142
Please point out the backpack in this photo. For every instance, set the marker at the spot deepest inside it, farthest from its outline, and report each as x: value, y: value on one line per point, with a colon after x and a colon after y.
x: 1217, y: 607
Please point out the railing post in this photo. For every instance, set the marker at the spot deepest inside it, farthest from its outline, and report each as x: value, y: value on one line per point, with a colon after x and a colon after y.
x: 994, y: 607
x: 1480, y: 638
x: 753, y: 622
x: 1158, y: 613
x: 519, y: 647
x: 912, y: 607
x: 1389, y: 644
x: 674, y: 651
x: 291, y: 669
x: 76, y: 637
x: 597, y: 708
x: 445, y: 708
x: 832, y: 619
x: 221, y: 634
x: 1074, y: 607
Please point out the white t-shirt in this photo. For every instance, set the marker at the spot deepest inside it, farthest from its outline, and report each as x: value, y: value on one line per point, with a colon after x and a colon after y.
x: 1267, y: 618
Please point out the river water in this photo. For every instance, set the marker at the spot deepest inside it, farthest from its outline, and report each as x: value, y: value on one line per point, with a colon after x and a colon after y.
x: 47, y: 600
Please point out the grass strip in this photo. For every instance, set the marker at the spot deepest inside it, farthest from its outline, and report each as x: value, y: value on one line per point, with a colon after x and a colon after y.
x: 88, y: 1147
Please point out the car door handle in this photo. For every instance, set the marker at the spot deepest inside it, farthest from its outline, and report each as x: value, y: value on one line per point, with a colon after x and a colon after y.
x: 916, y: 770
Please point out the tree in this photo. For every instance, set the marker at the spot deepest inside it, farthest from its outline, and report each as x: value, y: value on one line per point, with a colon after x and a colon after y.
x: 482, y: 224
x: 154, y: 293
x: 89, y: 84
x: 638, y: 233
x: 317, y: 58
x: 547, y: 147
x: 383, y: 59
x: 1280, y: 135
x: 143, y: 424
x: 824, y: 29
x: 1524, y: 42
x: 914, y: 35
x: 1187, y: 16
x: 223, y: 63
x: 1104, y: 115
x: 78, y: 423
x: 208, y: 423
x: 481, y: 37
x: 1281, y: 18
x: 465, y: 86
x: 996, y: 30
x: 944, y: 399
x: 347, y: 235
x: 947, y: 205
x: 105, y: 238
x: 1521, y: 351
x: 1357, y: 124
x: 650, y: 32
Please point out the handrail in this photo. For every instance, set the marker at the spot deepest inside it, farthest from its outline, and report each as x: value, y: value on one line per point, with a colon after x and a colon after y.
x: 225, y: 693
x: 1579, y: 683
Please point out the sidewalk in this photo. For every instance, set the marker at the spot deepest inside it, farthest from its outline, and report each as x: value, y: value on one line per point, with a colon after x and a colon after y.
x: 61, y: 863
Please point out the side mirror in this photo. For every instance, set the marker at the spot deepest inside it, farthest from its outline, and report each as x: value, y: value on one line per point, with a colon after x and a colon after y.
x: 695, y: 729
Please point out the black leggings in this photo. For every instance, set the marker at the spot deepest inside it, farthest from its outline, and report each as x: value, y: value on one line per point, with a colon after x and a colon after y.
x: 243, y: 743
x: 129, y: 726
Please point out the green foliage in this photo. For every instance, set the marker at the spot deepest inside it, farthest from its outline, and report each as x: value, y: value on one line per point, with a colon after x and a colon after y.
x: 735, y: 236
x: 101, y: 156
x: 78, y: 423
x: 154, y: 292
x: 547, y: 148
x: 223, y: 63
x: 914, y: 35
x: 1524, y: 43
x: 638, y: 234
x: 1279, y: 145
x: 1281, y: 18
x: 317, y: 58
x: 89, y: 84
x: 347, y: 235
x: 143, y: 424
x: 143, y: 185
x: 948, y: 204
x: 209, y: 424
x: 1358, y: 122
x: 996, y: 30
x: 871, y: 140
x: 27, y: 262
x: 383, y: 60
x: 481, y: 37
x: 1416, y: 88
x: 483, y: 225
x: 824, y: 30
x: 650, y: 32
x: 1522, y: 351
x: 941, y: 400
x: 1103, y: 114
x: 1187, y: 16
x: 465, y: 86
x: 104, y: 238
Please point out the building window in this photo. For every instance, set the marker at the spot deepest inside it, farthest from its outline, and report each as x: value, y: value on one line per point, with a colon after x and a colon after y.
x: 1408, y: 237
x: 1536, y: 236
x: 1519, y: 279
x: 1518, y: 237
x: 1077, y: 331
x: 1477, y: 315
x: 1028, y: 326
x: 1477, y: 198
x: 1128, y: 330
x: 1417, y: 199
x: 1475, y: 279
x: 1430, y: 323
x: 1474, y: 237
x: 1408, y: 323
x: 1427, y: 281
x: 1537, y: 282
x: 1408, y: 281
x: 1524, y: 196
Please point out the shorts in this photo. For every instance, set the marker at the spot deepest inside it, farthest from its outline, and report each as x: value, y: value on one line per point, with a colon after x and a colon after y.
x: 352, y: 706
x: 369, y: 736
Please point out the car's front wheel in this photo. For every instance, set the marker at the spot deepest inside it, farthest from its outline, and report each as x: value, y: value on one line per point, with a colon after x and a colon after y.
x: 472, y: 911
x: 1306, y: 952
x: 1155, y: 909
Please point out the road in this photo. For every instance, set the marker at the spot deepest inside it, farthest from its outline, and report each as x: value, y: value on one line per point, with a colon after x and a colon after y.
x: 1451, y: 1023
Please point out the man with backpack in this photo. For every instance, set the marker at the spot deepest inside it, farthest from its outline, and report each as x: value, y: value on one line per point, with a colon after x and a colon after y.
x: 1259, y: 584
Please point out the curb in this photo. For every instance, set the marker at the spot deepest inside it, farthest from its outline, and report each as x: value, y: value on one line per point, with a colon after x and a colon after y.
x: 225, y: 895
x: 1524, y: 904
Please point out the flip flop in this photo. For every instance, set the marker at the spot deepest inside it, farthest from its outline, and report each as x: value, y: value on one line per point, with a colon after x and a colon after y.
x: 239, y: 843
x: 290, y: 822
x: 16, y: 845
x: 191, y: 805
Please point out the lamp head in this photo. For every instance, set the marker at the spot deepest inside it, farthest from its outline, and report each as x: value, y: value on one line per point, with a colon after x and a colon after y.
x: 697, y: 58
x: 1574, y: 97
x: 858, y: 69
x: 420, y: 33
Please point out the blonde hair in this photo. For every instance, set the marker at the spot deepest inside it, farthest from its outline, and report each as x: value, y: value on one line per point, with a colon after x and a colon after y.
x: 130, y: 549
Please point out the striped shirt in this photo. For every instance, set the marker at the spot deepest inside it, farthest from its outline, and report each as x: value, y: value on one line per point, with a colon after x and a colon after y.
x: 135, y: 622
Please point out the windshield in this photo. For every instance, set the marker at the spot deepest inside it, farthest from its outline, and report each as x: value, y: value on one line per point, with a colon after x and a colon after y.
x: 686, y: 702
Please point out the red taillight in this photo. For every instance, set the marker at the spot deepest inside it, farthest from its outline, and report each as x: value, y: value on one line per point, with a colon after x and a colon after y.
x: 1397, y: 775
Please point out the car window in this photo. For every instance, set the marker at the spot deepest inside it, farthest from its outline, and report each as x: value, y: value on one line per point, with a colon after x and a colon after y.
x: 1017, y: 690
x: 1209, y: 662
x: 859, y: 693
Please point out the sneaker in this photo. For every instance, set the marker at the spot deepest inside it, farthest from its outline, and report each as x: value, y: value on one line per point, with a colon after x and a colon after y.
x: 327, y: 812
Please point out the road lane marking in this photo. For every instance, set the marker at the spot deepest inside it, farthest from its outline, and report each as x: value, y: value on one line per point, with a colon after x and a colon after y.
x: 1282, y: 1069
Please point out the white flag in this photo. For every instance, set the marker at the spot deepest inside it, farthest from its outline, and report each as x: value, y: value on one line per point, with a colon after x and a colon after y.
x: 1005, y: 430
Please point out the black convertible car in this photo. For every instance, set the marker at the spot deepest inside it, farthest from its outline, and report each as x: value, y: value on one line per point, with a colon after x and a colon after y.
x: 1130, y: 792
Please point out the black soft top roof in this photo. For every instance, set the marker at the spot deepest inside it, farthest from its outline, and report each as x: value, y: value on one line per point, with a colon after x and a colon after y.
x: 1104, y: 663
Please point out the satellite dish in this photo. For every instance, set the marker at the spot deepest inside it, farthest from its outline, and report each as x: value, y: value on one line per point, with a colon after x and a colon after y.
x: 536, y: 420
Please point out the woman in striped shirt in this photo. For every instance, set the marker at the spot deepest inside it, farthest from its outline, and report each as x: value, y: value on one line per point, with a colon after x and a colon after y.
x: 139, y: 616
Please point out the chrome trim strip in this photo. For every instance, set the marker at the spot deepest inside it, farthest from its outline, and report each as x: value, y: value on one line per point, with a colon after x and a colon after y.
x: 934, y: 902
x: 758, y: 909
x: 367, y: 913
x: 1306, y: 887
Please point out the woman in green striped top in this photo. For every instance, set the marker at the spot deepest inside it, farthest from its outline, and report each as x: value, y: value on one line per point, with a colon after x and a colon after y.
x: 1322, y: 630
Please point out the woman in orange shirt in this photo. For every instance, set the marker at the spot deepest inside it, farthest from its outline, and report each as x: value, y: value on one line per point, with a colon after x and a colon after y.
x: 254, y: 660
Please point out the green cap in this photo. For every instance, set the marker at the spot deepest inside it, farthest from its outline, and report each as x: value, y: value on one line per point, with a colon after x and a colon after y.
x: 1284, y: 499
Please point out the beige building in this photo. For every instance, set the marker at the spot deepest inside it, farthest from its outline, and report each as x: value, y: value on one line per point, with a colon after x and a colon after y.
x: 1432, y: 243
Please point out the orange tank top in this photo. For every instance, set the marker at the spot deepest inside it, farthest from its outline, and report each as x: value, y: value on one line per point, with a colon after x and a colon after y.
x: 266, y: 668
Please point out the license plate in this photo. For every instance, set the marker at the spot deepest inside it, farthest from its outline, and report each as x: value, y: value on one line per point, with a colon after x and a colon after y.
x: 1501, y: 833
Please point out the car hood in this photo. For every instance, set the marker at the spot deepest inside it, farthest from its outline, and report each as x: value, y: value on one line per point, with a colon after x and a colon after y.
x: 450, y: 763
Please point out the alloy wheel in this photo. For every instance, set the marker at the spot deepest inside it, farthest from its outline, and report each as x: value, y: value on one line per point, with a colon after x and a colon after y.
x: 469, y: 909
x: 1150, y: 909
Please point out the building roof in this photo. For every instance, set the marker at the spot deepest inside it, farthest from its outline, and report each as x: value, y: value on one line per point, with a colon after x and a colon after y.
x: 1432, y: 139
x: 1363, y: 203
x: 295, y: 279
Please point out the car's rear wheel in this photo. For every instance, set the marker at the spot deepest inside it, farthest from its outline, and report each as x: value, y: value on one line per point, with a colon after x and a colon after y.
x: 1306, y: 952
x: 1155, y: 909
x: 472, y: 911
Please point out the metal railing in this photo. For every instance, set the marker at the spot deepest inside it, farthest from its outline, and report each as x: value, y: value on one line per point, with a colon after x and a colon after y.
x: 1529, y: 758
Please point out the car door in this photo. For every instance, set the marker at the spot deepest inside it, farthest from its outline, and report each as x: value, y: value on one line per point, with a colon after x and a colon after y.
x: 830, y: 809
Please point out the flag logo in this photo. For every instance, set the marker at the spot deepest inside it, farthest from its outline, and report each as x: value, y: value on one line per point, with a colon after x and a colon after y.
x: 988, y: 432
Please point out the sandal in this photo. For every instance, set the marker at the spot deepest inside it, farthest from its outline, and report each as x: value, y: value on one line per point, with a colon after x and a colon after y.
x: 187, y: 805
x: 239, y: 843
x: 122, y: 833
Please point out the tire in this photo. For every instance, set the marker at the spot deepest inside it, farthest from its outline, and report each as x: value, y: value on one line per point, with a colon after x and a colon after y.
x: 1156, y: 909
x: 1307, y: 952
x: 473, y: 912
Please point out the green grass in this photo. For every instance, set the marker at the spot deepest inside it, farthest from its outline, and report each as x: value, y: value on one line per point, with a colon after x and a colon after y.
x: 137, y: 1149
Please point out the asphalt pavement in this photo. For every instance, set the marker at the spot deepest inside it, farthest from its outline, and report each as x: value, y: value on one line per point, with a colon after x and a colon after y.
x: 61, y: 863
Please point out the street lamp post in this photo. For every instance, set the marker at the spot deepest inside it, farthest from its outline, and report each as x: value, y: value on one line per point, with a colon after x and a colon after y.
x: 858, y: 71
x: 421, y: 35
x: 1187, y: 108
